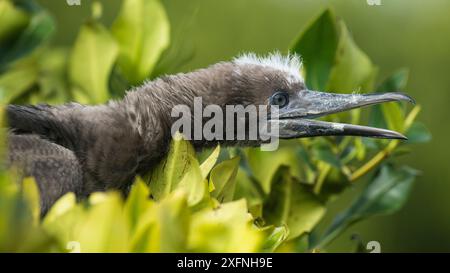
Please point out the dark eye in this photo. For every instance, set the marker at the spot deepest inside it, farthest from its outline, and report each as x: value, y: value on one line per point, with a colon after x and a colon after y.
x: 280, y: 98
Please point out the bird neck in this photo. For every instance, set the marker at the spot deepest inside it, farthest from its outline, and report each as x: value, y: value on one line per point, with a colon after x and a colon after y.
x: 148, y: 108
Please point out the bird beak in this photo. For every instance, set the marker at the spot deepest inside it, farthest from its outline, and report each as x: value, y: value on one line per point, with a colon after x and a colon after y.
x: 296, y: 119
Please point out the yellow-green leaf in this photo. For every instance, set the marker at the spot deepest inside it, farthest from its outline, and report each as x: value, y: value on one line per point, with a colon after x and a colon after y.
x: 16, y: 82
x: 223, y: 177
x: 138, y: 202
x: 225, y: 229
x: 393, y: 115
x: 378, y: 116
x: 167, y: 226
x: 171, y: 170
x: 31, y: 195
x: 265, y: 164
x: 193, y: 183
x: 143, y: 33
x: 64, y: 220
x: 173, y: 222
x: 105, y: 228
x: 13, y: 19
x: 209, y: 163
x: 91, y: 61
x: 61, y: 207
x: 275, y: 239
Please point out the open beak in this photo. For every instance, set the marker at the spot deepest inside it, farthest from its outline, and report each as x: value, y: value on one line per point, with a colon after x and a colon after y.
x: 296, y: 120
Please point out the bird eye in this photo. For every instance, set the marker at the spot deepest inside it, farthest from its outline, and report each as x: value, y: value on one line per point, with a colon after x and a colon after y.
x: 280, y: 98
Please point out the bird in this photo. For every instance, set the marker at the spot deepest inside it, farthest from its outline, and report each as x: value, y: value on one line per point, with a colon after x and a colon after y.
x: 87, y: 148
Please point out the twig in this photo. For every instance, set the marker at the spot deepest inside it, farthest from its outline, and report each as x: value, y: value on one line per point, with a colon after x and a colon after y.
x: 386, y: 151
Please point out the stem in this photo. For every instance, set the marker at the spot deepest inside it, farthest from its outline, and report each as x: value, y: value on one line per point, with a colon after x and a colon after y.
x: 412, y: 116
x: 374, y: 161
x: 371, y: 164
x: 325, y: 169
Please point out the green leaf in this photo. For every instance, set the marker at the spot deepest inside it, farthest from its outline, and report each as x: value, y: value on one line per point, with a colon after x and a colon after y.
x: 265, y: 164
x: 393, y: 113
x: 209, y: 163
x: 331, y: 58
x: 396, y: 82
x: 325, y: 154
x: 19, y: 229
x: 418, y: 133
x: 296, y: 245
x: 225, y: 229
x: 194, y: 184
x: 223, y: 177
x: 38, y: 30
x: 137, y: 203
x: 53, y: 82
x: 385, y: 194
x: 292, y: 204
x: 301, y: 243
x: 16, y: 82
x: 105, y: 227
x: 173, y: 224
x: 143, y: 33
x: 167, y: 228
x: 13, y: 19
x: 394, y: 116
x: 317, y: 45
x: 31, y: 195
x: 359, y: 245
x: 248, y: 188
x: 352, y: 70
x: 64, y: 204
x: 275, y: 239
x: 81, y: 96
x: 65, y: 219
x: 91, y: 62
x: 182, y: 47
x: 169, y: 172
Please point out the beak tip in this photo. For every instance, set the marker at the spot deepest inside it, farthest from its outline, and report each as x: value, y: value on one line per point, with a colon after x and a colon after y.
x: 411, y: 100
x: 406, y: 97
x: 395, y: 135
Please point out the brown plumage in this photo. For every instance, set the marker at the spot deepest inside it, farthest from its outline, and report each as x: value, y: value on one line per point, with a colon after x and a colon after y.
x: 86, y: 148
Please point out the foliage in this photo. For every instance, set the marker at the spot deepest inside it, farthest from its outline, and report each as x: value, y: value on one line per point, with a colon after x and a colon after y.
x: 236, y: 199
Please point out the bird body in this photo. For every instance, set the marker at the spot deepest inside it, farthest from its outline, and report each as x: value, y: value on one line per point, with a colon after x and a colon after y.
x: 98, y: 147
x: 96, y: 141
x: 86, y: 148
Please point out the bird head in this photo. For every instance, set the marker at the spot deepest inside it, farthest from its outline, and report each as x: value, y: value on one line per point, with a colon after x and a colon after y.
x: 275, y: 80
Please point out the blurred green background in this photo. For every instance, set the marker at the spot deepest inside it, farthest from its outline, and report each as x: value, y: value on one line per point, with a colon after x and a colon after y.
x: 399, y: 33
